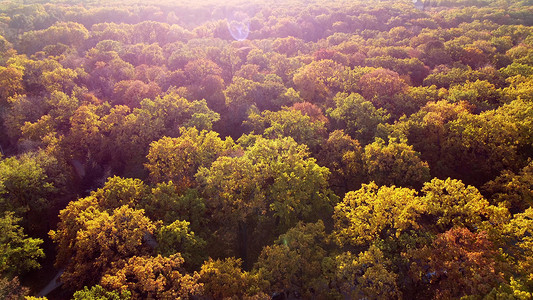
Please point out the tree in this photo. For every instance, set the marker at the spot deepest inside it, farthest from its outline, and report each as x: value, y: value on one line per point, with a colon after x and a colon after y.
x: 288, y: 122
x: 85, y: 142
x: 178, y: 159
x: 480, y: 146
x: 25, y: 187
x: 118, y: 191
x: 97, y: 292
x: 273, y: 185
x: 225, y: 278
x: 482, y: 94
x: 244, y: 95
x: 18, y: 253
x: 130, y: 133
x: 515, y: 191
x: 10, y: 82
x: 458, y: 263
x: 150, y: 32
x: 515, y: 289
x: 250, y: 72
x: 289, y: 45
x: 105, y: 69
x: 178, y: 238
x: 112, y: 32
x: 519, y: 87
x: 240, y: 98
x: 90, y: 241
x: 396, y: 163
x: 473, y: 56
x: 519, y: 242
x: 319, y: 81
x: 451, y: 203
x: 414, y: 98
x: 143, y: 54
x: 6, y: 47
x: 380, y: 85
x: 374, y: 212
x: 10, y: 289
x: 366, y: 275
x: 168, y: 204
x: 283, y: 66
x: 311, y: 110
x: 427, y: 131
x: 68, y: 33
x: 153, y: 278
x: 173, y: 112
x: 445, y: 77
x: 132, y: 92
x: 61, y: 108
x: 205, y: 82
x: 294, y: 264
x: 21, y: 109
x: 257, y: 57
x: 342, y: 155
x: 60, y: 79
x: 357, y: 117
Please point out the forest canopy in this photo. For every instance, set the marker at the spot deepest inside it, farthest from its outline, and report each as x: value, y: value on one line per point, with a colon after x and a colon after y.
x: 266, y: 150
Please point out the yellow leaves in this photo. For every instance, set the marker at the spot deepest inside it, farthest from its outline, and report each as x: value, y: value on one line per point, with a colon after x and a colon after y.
x: 153, y: 278
x: 318, y: 81
x: 454, y: 203
x: 395, y: 163
x: 366, y: 275
x: 90, y: 240
x: 224, y: 279
x: 10, y: 82
x: 288, y: 122
x: 366, y: 214
x: 380, y: 212
x: 178, y: 159
x: 119, y: 191
x: 59, y: 79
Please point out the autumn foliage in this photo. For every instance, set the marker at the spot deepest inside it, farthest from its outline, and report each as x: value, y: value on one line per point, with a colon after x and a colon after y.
x: 266, y: 150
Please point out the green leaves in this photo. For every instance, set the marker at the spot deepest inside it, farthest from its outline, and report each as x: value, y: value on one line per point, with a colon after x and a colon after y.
x: 18, y: 253
x: 357, y: 117
x: 99, y: 293
x: 288, y: 122
x: 294, y: 262
x: 24, y: 184
x: 264, y: 191
x: 178, y: 238
x: 520, y: 232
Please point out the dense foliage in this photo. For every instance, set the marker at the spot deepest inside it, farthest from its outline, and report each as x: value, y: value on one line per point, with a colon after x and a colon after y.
x: 314, y: 149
